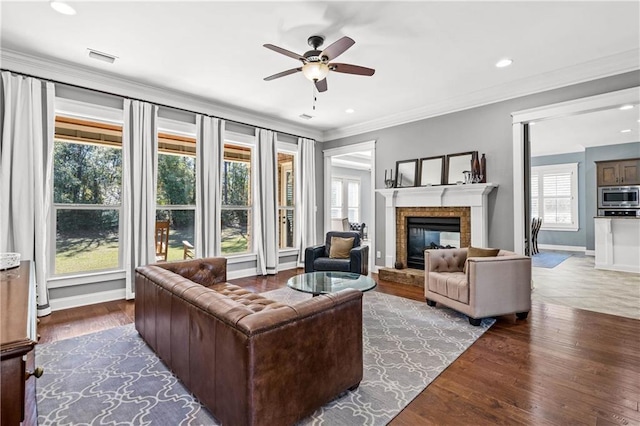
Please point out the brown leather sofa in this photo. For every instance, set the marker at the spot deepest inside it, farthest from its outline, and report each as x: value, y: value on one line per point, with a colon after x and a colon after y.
x: 249, y: 360
x: 491, y: 286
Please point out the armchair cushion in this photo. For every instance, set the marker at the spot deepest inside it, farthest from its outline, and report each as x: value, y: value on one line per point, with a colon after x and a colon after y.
x: 340, y: 247
x: 480, y: 252
x: 318, y: 258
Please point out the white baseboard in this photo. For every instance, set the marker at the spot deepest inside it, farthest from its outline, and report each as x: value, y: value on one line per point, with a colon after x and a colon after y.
x: 562, y: 248
x: 591, y: 253
x: 375, y: 269
x: 242, y: 273
x: 620, y: 268
x: 86, y: 299
x: 287, y: 266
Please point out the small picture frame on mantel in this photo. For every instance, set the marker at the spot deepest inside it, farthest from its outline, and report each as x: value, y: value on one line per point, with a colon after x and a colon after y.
x: 457, y: 164
x: 406, y: 173
x: 431, y: 171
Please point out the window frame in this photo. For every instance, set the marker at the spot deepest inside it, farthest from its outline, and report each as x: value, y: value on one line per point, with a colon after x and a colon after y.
x: 248, y: 141
x: 572, y: 169
x: 289, y: 149
x: 345, y: 195
x: 171, y: 127
x: 102, y: 115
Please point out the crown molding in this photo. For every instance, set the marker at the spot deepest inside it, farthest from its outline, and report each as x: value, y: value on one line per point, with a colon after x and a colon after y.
x: 591, y: 70
x: 65, y: 72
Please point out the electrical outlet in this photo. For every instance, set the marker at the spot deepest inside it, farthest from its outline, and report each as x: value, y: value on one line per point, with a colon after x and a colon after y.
x: 378, y: 255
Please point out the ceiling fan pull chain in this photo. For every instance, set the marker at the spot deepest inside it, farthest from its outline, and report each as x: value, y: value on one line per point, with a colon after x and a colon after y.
x: 315, y: 97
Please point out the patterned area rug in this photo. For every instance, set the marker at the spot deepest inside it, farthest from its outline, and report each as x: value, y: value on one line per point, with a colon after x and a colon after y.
x: 113, y: 377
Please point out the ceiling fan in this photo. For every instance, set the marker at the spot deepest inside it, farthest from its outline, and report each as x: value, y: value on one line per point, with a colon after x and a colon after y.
x: 315, y: 63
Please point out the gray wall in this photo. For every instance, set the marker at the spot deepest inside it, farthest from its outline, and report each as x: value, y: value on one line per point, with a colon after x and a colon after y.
x: 567, y: 238
x: 601, y: 153
x: 486, y: 129
x: 365, y: 189
x: 587, y: 190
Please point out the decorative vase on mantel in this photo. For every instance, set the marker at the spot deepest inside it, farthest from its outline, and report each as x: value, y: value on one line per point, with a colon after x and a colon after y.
x: 475, y: 168
x: 483, y: 169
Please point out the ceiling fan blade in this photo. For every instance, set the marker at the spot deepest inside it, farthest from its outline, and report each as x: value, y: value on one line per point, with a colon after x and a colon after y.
x: 337, y: 48
x: 351, y: 69
x: 285, y: 52
x: 282, y: 74
x: 321, y: 85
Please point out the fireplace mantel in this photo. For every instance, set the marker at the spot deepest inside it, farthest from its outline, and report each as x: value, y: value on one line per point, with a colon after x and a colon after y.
x: 473, y: 196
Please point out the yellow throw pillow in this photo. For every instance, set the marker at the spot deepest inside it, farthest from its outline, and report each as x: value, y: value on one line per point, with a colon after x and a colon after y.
x: 479, y: 252
x: 340, y: 247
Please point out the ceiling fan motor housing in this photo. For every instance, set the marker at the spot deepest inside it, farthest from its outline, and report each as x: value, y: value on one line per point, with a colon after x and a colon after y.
x: 315, y: 41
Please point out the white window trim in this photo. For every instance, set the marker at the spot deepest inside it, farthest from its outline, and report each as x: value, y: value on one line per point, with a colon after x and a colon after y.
x: 560, y: 168
x: 291, y: 149
x: 250, y: 142
x: 345, y: 197
x: 101, y: 114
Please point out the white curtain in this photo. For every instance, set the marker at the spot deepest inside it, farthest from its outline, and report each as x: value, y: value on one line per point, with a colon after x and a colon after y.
x: 26, y: 157
x: 266, y: 204
x: 209, y: 157
x: 306, y: 197
x: 139, y: 169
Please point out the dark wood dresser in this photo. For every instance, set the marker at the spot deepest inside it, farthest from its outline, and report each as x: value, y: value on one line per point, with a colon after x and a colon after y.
x: 18, y: 337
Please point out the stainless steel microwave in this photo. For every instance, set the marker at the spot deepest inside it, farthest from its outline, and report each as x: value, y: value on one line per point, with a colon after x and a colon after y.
x: 626, y: 197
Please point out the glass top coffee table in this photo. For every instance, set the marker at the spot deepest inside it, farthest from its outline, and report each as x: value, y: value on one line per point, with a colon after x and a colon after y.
x: 330, y: 282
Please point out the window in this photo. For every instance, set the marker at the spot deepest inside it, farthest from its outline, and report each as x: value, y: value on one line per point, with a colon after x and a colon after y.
x: 286, y: 201
x: 176, y: 192
x: 87, y: 188
x: 554, y: 196
x: 345, y: 199
x: 236, y: 199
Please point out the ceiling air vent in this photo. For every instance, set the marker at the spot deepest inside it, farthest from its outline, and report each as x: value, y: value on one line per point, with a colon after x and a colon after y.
x: 101, y: 56
x: 306, y: 116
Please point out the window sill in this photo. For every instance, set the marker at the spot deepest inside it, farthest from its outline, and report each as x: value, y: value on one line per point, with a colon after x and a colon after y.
x: 288, y: 252
x: 240, y: 258
x: 563, y: 229
x: 85, y: 278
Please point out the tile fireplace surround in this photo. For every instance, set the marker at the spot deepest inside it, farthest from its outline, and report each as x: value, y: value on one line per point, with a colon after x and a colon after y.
x: 469, y: 202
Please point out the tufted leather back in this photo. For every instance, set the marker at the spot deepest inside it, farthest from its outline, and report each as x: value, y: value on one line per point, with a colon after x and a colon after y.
x: 206, y: 272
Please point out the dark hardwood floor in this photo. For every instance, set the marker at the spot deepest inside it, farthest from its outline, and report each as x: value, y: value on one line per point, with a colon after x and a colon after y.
x: 562, y: 366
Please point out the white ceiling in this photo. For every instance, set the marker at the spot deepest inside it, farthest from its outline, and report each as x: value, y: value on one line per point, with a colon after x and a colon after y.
x: 430, y: 57
x: 578, y: 132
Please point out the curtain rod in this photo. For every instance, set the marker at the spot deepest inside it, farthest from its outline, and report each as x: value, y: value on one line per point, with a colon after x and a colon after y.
x: 143, y: 100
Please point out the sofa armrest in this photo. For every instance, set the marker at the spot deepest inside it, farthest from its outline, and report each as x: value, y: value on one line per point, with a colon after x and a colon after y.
x: 206, y: 271
x: 445, y: 260
x: 359, y: 260
x: 310, y: 255
x: 495, y: 282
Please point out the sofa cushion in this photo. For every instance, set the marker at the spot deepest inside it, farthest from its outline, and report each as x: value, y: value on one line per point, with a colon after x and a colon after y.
x: 453, y: 285
x: 340, y: 247
x: 480, y: 252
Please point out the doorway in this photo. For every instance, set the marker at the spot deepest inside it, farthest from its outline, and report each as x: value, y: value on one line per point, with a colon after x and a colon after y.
x: 349, y: 190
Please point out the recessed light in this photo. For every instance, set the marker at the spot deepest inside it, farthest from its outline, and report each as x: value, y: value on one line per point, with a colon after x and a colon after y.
x: 62, y: 7
x: 349, y: 110
x: 625, y: 107
x: 625, y: 131
x: 306, y: 116
x: 504, y: 63
x: 101, y: 56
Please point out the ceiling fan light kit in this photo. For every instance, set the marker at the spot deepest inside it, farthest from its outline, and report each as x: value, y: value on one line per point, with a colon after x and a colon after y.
x: 315, y: 63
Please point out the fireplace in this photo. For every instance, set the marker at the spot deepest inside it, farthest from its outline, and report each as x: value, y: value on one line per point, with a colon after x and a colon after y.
x: 430, y: 233
x: 469, y: 203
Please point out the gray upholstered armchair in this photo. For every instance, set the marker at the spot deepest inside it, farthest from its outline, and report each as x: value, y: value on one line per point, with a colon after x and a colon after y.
x: 317, y: 258
x: 490, y: 286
